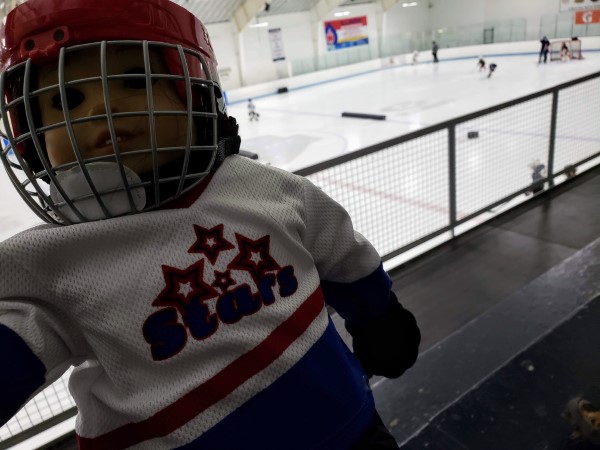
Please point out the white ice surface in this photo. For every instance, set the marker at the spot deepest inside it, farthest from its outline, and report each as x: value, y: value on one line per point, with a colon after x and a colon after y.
x: 305, y: 126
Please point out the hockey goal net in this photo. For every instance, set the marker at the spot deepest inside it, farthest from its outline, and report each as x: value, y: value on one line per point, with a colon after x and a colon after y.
x: 565, y: 50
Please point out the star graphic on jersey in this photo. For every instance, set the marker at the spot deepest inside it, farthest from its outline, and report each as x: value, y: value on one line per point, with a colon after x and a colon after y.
x: 184, y: 285
x: 210, y: 242
x: 185, y: 289
x: 254, y: 256
x: 223, y: 280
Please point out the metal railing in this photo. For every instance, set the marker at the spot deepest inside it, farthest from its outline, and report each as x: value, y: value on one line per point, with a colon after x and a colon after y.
x: 406, y: 191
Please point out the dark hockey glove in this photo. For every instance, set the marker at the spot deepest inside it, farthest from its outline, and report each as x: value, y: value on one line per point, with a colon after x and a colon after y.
x: 389, y: 345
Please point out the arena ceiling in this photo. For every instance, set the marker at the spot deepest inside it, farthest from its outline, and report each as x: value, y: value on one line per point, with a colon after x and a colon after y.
x: 215, y: 11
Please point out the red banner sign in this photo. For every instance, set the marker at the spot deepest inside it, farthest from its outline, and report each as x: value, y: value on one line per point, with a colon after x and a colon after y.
x: 346, y: 33
x: 587, y: 17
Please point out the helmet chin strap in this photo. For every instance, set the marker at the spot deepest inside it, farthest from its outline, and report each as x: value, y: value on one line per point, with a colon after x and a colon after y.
x: 229, y: 143
x: 227, y: 146
x: 107, y: 180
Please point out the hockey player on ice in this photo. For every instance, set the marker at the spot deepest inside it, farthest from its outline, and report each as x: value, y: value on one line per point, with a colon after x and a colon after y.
x: 415, y: 57
x: 545, y: 48
x: 481, y: 63
x: 252, y: 114
x: 493, y: 67
x: 187, y: 285
x: 565, y: 53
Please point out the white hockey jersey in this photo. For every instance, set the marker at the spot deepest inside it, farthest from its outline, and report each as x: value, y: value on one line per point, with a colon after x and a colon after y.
x: 202, y: 325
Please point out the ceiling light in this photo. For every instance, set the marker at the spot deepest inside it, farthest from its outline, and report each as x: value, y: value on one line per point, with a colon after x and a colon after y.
x: 341, y: 14
x: 259, y: 25
x: 408, y: 5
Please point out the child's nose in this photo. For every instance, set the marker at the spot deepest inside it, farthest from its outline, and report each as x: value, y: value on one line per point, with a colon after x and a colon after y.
x: 95, y: 99
x: 96, y: 108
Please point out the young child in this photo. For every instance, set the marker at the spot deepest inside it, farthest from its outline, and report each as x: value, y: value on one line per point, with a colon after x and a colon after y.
x: 570, y: 171
x: 537, y: 177
x: 481, y: 63
x: 252, y: 114
x: 186, y: 284
x: 565, y: 53
x: 493, y: 67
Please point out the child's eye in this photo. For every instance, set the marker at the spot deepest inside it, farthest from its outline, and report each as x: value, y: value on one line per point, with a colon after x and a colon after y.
x: 136, y: 83
x: 74, y: 98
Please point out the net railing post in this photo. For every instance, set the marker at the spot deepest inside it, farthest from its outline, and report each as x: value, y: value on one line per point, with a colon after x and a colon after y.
x: 552, y: 143
x: 452, y: 175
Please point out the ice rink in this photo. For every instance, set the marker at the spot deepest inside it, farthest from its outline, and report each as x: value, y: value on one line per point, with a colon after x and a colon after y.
x: 304, y: 126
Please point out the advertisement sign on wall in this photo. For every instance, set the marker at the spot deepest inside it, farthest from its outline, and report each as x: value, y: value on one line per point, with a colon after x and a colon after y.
x: 573, y: 5
x: 587, y: 17
x: 346, y: 33
x: 276, y: 41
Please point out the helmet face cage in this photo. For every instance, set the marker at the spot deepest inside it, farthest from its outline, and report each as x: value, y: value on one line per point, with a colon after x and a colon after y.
x: 39, y: 183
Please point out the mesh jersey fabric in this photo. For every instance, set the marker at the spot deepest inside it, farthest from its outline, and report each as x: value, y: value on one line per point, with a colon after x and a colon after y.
x: 184, y: 322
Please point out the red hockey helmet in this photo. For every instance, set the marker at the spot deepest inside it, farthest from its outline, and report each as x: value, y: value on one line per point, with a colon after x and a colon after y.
x: 37, y: 29
x: 40, y: 32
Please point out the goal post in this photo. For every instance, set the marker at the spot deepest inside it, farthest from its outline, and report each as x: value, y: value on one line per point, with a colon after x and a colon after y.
x: 565, y: 49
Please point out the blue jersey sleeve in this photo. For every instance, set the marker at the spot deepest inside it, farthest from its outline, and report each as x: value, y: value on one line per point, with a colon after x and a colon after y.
x: 352, y: 276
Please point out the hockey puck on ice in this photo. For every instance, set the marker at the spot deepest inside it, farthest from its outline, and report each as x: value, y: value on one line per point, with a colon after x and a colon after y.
x: 473, y: 134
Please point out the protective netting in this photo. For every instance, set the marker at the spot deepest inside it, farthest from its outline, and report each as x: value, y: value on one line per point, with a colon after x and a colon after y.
x: 577, y: 124
x: 498, y: 161
x: 394, y: 196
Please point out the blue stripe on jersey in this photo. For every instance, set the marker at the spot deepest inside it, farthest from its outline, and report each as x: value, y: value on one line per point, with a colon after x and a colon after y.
x: 301, y: 411
x: 22, y: 373
x: 362, y: 300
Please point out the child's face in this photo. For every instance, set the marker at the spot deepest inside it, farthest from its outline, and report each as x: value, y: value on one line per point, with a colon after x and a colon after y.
x: 84, y: 100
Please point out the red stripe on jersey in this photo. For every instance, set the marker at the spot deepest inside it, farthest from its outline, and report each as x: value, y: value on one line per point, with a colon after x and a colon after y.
x: 216, y: 388
x: 188, y: 199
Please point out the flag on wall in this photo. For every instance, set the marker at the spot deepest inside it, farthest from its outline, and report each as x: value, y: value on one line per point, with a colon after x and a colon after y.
x: 346, y: 33
x: 573, y: 5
